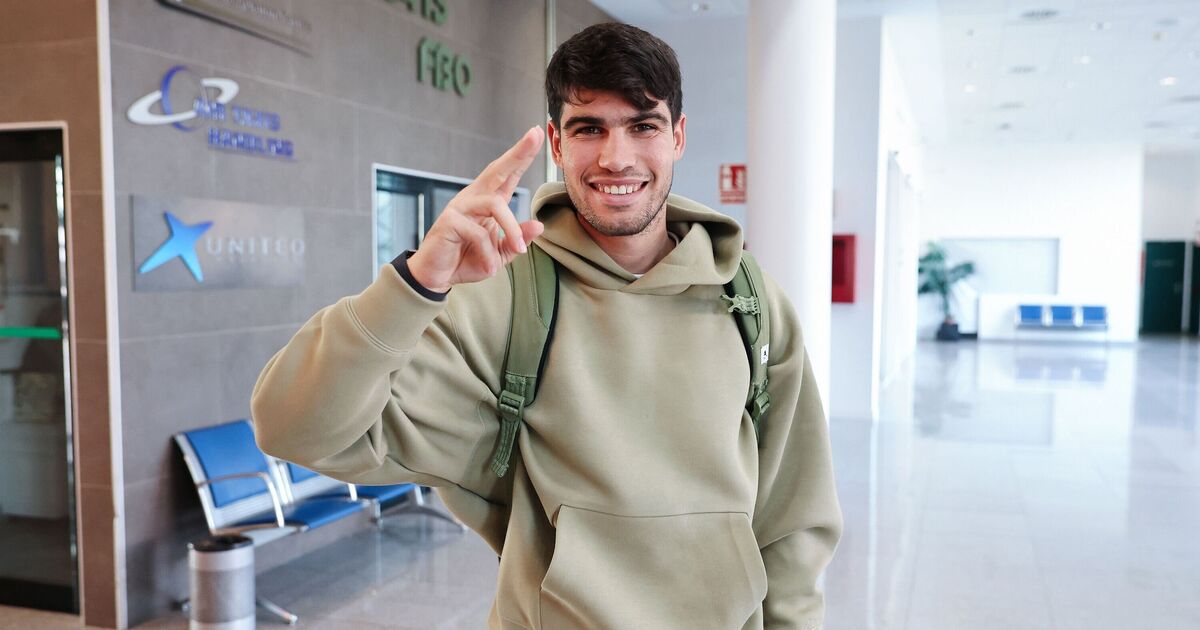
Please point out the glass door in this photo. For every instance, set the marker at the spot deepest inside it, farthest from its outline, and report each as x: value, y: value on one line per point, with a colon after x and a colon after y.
x: 37, y: 507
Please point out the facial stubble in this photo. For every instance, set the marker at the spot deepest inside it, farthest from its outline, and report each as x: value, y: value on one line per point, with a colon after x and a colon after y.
x: 628, y: 227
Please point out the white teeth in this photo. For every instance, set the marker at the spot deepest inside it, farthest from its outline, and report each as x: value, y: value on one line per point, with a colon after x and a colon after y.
x: 619, y: 190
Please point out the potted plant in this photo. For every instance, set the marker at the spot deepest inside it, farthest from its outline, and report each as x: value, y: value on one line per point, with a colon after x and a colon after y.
x: 935, y: 277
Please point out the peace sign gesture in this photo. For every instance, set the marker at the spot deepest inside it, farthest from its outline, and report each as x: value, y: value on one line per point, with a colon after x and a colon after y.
x: 477, y: 233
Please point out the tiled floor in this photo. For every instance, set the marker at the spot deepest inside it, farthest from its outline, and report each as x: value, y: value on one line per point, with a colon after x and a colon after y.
x: 1006, y: 486
x: 1025, y: 486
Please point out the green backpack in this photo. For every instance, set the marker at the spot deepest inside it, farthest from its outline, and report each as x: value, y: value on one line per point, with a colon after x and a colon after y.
x: 534, y: 279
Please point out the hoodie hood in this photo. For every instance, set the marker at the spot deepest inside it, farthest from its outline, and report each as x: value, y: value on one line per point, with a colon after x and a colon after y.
x: 708, y: 253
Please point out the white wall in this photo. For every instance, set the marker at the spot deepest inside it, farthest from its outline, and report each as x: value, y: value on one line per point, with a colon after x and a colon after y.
x: 712, y: 57
x: 853, y: 390
x: 873, y: 125
x: 1171, y: 197
x: 901, y: 162
x: 1089, y: 196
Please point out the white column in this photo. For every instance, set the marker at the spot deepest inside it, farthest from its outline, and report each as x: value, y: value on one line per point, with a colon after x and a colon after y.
x: 789, y: 175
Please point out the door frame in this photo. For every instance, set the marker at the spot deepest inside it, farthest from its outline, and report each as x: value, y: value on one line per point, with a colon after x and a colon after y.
x: 64, y: 247
x: 376, y: 167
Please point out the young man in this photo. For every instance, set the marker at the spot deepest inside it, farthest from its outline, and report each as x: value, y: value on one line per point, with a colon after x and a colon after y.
x: 639, y: 494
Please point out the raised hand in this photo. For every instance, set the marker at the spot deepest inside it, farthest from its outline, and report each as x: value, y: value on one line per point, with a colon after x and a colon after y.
x: 477, y: 234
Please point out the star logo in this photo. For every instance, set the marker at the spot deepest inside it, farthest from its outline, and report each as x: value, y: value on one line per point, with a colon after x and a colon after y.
x: 182, y: 244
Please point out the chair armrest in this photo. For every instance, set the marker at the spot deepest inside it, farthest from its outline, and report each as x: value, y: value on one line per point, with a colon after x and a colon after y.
x: 247, y: 475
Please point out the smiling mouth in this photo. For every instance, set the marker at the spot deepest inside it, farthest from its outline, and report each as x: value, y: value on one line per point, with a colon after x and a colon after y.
x: 623, y: 189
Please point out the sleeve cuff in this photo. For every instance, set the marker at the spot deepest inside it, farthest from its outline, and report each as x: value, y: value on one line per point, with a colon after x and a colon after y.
x: 401, y: 264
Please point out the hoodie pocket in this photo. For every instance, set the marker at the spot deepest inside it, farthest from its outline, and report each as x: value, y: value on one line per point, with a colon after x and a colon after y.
x: 689, y: 571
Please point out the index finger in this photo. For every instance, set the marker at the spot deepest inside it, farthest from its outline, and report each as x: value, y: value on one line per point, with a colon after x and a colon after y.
x: 510, y: 166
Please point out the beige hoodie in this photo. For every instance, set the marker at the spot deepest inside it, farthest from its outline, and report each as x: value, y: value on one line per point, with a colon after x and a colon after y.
x: 639, y: 496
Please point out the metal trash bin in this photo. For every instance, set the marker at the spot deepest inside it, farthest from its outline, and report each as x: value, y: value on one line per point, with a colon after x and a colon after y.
x: 221, y: 576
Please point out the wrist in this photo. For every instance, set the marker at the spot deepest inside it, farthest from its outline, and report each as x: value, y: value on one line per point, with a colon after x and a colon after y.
x: 420, y: 274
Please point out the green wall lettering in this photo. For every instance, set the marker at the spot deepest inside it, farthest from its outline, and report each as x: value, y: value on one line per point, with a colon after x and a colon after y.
x: 432, y: 10
x: 442, y: 67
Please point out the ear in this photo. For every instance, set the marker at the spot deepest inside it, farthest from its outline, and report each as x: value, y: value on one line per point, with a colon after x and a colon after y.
x: 555, y: 143
x: 679, y: 135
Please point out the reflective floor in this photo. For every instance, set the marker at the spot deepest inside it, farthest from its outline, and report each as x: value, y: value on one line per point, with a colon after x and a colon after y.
x: 1005, y: 486
x: 1025, y: 486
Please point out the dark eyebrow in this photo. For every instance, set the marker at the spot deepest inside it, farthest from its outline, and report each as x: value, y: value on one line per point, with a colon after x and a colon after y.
x: 576, y: 121
x: 645, y: 116
x: 640, y: 117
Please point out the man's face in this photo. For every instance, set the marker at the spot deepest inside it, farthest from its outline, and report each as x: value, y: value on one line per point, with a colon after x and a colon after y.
x: 617, y: 160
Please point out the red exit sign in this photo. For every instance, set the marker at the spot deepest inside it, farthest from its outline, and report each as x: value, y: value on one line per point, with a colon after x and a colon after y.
x: 732, y: 182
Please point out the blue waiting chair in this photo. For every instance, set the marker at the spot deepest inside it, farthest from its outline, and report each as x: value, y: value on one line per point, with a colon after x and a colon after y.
x: 1062, y: 316
x: 1030, y: 316
x: 241, y: 492
x: 305, y: 484
x: 1095, y: 317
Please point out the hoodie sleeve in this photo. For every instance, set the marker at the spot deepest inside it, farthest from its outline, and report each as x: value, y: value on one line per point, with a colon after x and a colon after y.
x: 797, y: 519
x: 381, y: 388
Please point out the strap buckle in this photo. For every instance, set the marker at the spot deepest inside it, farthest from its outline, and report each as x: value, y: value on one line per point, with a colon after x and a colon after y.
x: 761, y: 403
x: 512, y: 406
x: 758, y: 409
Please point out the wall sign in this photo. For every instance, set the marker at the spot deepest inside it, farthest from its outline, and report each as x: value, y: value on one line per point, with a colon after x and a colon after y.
x: 732, y: 183
x: 186, y: 102
x: 205, y: 244
x: 437, y: 64
x: 442, y: 67
x: 256, y: 17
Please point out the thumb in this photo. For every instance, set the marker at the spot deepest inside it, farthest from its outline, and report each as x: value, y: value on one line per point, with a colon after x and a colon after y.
x: 531, y: 230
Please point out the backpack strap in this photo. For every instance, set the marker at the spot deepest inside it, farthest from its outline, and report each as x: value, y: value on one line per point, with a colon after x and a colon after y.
x: 749, y: 307
x: 534, y: 280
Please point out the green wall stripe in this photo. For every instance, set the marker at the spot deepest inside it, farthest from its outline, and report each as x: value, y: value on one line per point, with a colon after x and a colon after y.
x: 30, y: 333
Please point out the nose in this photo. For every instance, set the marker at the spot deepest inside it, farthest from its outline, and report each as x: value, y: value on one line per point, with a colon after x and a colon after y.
x: 617, y: 154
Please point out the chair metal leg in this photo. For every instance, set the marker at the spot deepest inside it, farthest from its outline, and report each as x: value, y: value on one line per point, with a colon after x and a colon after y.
x: 277, y: 610
x: 434, y: 512
x: 377, y: 513
x: 417, y: 505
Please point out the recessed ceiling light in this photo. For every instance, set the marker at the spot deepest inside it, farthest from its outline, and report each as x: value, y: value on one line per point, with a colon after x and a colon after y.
x: 972, y: 65
x: 1187, y: 98
x: 1069, y: 84
x: 699, y: 6
x: 1038, y: 15
x: 1194, y: 54
x: 1157, y: 124
x: 1024, y: 69
x: 970, y: 88
x: 1101, y: 26
x: 1083, y: 60
x: 1004, y: 126
x: 970, y: 32
x: 1011, y: 105
x: 1168, y: 22
x: 1168, y: 81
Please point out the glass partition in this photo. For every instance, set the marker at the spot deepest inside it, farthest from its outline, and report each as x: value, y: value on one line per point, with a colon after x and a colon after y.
x: 37, y: 507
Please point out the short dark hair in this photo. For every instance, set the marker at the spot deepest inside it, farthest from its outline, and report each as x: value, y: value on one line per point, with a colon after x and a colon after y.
x: 617, y: 58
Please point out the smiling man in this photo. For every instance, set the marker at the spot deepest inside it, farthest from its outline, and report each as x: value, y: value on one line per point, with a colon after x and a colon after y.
x: 628, y: 479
